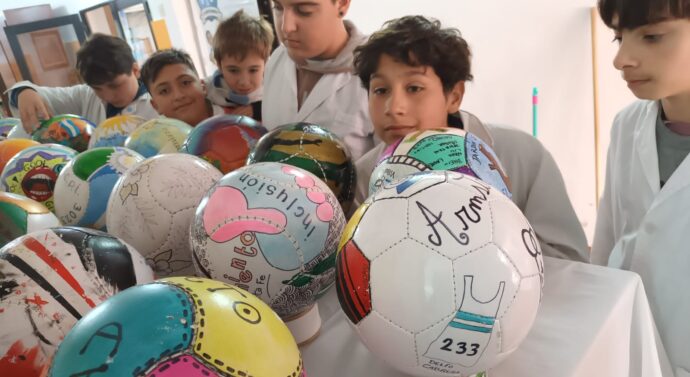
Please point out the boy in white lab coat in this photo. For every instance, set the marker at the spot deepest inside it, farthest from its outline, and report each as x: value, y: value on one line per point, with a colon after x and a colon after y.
x: 112, y: 87
x: 642, y: 223
x: 241, y: 46
x: 309, y: 77
x: 415, y: 73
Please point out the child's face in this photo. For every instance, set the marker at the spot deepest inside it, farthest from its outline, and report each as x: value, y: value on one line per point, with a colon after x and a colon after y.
x: 404, y: 99
x: 178, y: 93
x: 243, y: 76
x: 307, y: 27
x: 121, y: 90
x: 655, y: 59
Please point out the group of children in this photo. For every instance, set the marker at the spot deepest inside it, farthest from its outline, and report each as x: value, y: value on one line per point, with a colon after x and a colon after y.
x: 411, y: 75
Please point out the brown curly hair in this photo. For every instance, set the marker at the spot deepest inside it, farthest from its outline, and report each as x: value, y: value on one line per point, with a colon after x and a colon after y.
x: 417, y: 41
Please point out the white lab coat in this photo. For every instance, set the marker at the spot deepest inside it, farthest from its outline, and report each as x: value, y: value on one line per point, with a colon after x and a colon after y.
x: 82, y: 100
x: 338, y: 102
x: 644, y: 228
x: 538, y: 188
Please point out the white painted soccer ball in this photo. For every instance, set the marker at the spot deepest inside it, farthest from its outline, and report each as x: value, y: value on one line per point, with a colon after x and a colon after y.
x: 440, y: 274
x: 85, y: 183
x: 272, y: 229
x: 153, y: 204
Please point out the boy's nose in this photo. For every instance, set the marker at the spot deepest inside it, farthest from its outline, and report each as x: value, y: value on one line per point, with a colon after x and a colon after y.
x: 625, y: 57
x: 176, y: 93
x: 288, y: 25
x: 396, y: 103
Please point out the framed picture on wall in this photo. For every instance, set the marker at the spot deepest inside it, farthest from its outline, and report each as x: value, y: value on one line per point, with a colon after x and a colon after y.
x: 45, y: 50
x: 49, y: 48
x: 102, y: 18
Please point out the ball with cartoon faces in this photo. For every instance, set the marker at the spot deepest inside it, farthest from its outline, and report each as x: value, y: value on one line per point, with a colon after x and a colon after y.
x: 34, y: 171
x: 84, y: 185
x: 180, y: 327
x: 49, y: 280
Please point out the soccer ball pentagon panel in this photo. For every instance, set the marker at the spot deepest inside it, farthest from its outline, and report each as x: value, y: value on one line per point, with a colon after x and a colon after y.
x: 314, y: 149
x: 180, y: 326
x: 153, y: 204
x: 272, y: 229
x: 439, y: 149
x: 84, y: 185
x: 49, y: 280
x: 440, y: 274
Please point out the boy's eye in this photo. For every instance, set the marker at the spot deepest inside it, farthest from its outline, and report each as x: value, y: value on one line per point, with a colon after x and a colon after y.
x: 277, y: 7
x: 652, y: 37
x: 163, y: 92
x: 617, y: 38
x: 254, y: 70
x: 378, y: 90
x: 302, y: 11
x: 414, y: 88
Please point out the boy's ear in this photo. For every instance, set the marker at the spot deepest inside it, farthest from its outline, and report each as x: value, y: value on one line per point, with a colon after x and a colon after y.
x: 136, y: 71
x: 342, y: 6
x: 454, y: 97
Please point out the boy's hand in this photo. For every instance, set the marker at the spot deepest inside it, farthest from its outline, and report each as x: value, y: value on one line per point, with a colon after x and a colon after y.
x: 32, y: 109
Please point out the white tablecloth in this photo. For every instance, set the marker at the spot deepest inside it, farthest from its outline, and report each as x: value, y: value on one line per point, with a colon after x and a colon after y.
x: 593, y: 321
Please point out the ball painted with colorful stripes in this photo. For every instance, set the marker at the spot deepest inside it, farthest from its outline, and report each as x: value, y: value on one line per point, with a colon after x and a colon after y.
x: 314, y: 149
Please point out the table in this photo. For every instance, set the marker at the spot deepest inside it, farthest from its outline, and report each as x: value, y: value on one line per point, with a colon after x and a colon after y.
x: 593, y: 321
